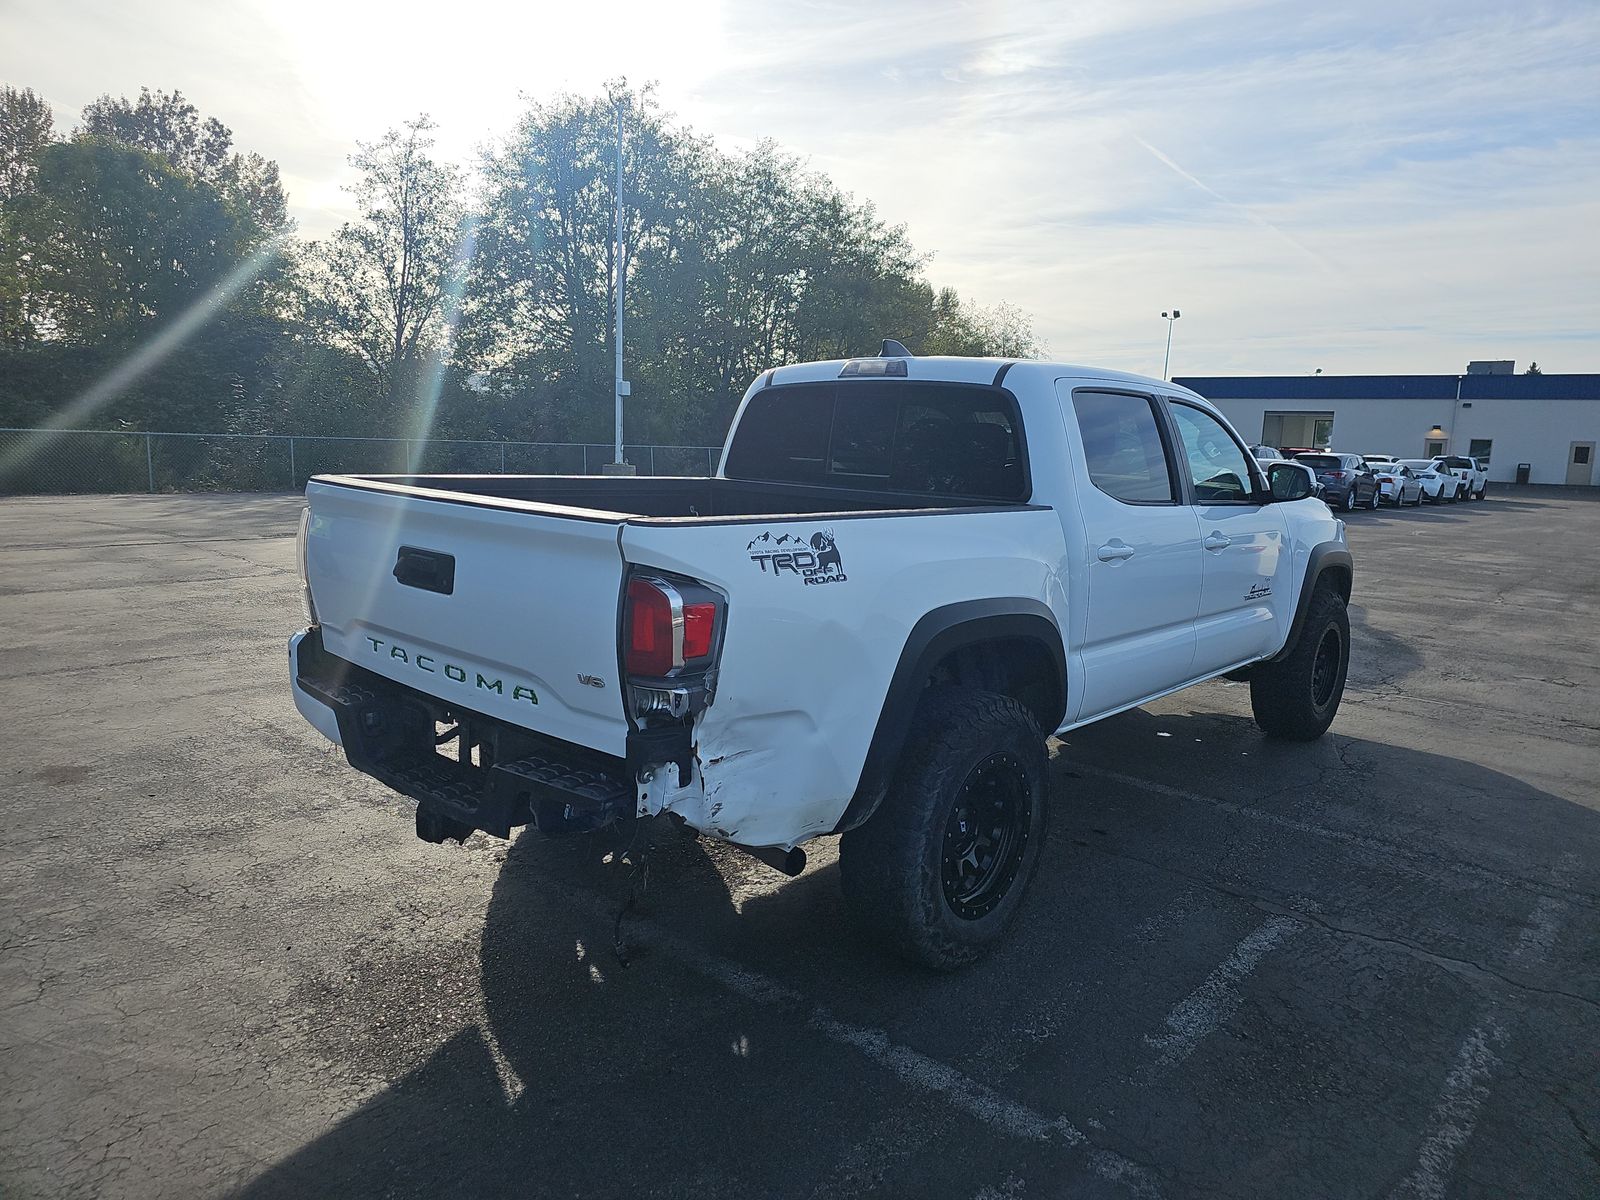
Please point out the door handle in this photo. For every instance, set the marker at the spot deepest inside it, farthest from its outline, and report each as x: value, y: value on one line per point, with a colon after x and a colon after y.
x: 1114, y: 551
x: 1217, y: 540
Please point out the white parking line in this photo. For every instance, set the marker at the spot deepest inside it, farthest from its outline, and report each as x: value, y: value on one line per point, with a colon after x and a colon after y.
x: 1198, y: 1014
x: 912, y: 1067
x: 1455, y: 1115
x: 1466, y: 1087
x: 1539, y: 934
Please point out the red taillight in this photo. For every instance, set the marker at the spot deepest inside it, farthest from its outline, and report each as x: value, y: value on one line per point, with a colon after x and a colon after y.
x: 665, y: 630
x: 699, y: 630
x: 649, y: 629
x: 1335, y: 474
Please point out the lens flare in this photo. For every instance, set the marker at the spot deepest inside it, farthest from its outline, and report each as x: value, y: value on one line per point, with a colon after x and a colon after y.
x: 145, y: 356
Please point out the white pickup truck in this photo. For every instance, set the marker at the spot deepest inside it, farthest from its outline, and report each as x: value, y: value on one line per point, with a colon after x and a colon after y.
x: 906, y: 573
x: 1472, y: 472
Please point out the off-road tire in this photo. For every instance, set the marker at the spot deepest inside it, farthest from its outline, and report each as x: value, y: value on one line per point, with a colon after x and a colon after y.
x: 892, y: 867
x: 1289, y: 697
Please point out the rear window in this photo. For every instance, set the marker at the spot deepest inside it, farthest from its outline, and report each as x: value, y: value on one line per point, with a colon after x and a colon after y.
x: 1459, y: 463
x: 1320, y: 462
x: 943, y: 439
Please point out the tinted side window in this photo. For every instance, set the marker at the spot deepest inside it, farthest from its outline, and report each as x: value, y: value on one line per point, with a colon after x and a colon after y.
x: 1122, y: 445
x: 1216, y: 464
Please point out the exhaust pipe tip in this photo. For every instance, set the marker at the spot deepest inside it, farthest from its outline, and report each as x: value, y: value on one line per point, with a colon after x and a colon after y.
x: 788, y: 862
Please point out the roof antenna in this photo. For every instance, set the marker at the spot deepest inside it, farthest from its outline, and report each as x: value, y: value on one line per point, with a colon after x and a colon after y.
x: 893, y: 349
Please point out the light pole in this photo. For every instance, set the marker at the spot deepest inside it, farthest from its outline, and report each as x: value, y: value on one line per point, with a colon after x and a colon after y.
x: 1171, y: 317
x: 621, y: 384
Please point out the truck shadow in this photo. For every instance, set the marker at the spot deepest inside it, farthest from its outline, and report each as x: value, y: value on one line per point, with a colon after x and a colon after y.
x: 669, y: 1078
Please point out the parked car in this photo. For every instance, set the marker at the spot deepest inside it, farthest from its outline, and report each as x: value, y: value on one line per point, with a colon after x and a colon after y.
x: 1347, y: 481
x: 1473, y: 473
x: 1377, y: 460
x: 1437, y: 483
x: 864, y: 624
x: 1397, y: 483
x: 1267, y: 453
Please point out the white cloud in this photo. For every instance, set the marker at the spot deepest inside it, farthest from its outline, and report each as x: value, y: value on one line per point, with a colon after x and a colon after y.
x: 1361, y: 187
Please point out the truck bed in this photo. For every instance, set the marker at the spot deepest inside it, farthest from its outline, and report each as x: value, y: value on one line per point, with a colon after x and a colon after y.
x: 656, y: 498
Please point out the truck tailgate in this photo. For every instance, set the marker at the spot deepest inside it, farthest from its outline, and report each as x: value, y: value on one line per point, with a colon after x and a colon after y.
x: 510, y: 612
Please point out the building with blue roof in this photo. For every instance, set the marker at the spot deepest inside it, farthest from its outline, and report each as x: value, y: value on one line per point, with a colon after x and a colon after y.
x: 1551, y: 423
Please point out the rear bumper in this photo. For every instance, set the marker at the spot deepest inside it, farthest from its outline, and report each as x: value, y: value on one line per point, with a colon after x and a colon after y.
x: 501, y: 776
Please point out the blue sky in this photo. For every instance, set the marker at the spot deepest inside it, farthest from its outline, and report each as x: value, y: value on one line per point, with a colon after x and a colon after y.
x: 1360, y: 187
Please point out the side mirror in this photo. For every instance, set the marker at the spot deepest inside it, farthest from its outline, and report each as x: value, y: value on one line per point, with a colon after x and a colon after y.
x: 1288, y: 482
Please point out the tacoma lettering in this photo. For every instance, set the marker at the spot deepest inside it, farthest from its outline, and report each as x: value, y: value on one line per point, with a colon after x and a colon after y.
x: 452, y: 671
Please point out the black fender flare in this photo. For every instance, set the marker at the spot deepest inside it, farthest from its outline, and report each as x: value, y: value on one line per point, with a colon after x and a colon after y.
x: 1327, y: 558
x: 934, y: 636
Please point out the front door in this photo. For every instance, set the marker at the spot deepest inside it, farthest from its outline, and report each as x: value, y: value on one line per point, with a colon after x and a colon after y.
x: 1143, y: 550
x: 1580, y: 464
x: 1245, y: 563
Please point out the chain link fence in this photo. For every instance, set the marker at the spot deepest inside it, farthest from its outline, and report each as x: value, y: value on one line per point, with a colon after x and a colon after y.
x: 57, y: 461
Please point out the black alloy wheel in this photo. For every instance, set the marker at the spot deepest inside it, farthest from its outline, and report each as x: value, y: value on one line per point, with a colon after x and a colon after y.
x: 986, y: 836
x: 1325, y: 667
x: 940, y: 868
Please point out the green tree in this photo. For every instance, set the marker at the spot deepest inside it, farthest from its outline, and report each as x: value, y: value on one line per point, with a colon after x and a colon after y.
x: 733, y: 263
x: 168, y: 126
x: 386, y: 286
x: 119, y: 240
x: 25, y: 130
x: 541, y: 298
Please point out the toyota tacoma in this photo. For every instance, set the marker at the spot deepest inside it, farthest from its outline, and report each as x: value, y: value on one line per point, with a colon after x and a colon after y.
x: 904, y: 576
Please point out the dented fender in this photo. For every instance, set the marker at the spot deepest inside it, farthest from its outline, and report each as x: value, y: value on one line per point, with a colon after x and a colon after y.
x: 760, y: 779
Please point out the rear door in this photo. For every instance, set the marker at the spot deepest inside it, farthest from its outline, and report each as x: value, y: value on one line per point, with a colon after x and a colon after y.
x: 1143, y: 549
x: 1245, y: 582
x: 509, y: 609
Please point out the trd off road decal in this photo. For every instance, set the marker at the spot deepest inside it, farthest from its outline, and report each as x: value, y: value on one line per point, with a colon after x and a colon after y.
x: 814, y: 559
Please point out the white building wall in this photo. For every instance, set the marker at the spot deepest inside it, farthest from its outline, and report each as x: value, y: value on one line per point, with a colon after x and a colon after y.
x: 1539, y: 432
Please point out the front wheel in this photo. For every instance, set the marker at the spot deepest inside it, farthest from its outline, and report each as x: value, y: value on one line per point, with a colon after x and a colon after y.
x: 1296, y: 697
x: 939, y: 870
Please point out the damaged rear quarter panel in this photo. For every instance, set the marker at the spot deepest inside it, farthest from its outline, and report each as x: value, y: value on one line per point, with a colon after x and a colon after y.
x: 805, y: 667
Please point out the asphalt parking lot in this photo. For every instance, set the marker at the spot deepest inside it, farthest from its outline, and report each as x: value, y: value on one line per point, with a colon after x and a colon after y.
x: 1364, y: 967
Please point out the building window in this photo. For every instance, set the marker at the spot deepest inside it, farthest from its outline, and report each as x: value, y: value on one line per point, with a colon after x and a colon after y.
x: 1432, y: 446
x: 1479, y: 449
x: 1297, y: 430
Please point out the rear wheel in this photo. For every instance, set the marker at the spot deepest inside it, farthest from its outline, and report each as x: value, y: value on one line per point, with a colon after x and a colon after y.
x: 1350, y: 499
x: 1376, y: 500
x: 940, y: 869
x: 1297, y: 696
